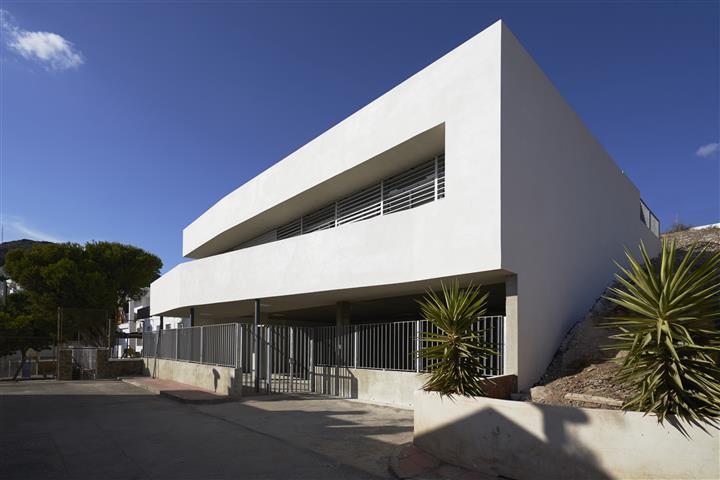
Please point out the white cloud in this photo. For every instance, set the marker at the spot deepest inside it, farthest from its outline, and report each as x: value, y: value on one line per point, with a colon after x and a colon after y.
x: 50, y: 49
x: 708, y: 150
x: 16, y: 228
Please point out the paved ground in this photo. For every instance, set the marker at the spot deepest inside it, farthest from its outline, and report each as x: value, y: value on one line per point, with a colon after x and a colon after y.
x: 358, y: 434
x: 110, y: 430
x: 178, y: 391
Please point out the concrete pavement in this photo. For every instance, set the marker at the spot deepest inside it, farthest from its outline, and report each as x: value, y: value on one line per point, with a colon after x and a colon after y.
x: 109, y: 429
x: 362, y: 435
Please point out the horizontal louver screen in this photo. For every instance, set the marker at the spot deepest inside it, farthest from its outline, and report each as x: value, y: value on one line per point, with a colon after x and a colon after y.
x: 289, y: 230
x: 441, y: 176
x: 419, y: 185
x: 360, y: 206
x: 409, y: 189
x: 267, y: 237
x: 319, y: 219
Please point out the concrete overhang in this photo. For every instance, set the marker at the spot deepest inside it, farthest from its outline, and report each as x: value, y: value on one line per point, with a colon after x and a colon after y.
x: 244, y: 307
x: 228, y: 223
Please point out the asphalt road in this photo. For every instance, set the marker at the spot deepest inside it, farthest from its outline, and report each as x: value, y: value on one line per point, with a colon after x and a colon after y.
x: 112, y: 430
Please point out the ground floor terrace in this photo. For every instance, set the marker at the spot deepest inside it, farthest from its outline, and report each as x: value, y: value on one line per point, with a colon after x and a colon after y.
x: 355, y: 344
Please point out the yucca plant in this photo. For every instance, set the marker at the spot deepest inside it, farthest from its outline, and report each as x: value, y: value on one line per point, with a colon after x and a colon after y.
x: 456, y: 352
x: 670, y: 333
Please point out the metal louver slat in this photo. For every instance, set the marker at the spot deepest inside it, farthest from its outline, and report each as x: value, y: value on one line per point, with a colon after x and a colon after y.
x: 417, y: 186
x: 410, y: 189
x: 319, y: 219
x: 360, y: 206
x: 441, y: 176
x: 266, y: 237
x: 288, y: 230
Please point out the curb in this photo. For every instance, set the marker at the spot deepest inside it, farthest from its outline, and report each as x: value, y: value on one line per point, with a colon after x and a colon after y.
x: 179, y: 395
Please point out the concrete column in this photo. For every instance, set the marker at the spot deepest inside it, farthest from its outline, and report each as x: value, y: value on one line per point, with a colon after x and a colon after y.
x: 256, y: 353
x: 342, y: 313
x: 101, y: 363
x: 192, y: 316
x: 64, y: 364
x: 512, y: 352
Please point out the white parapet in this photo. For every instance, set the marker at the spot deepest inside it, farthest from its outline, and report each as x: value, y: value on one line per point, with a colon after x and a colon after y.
x: 529, y: 440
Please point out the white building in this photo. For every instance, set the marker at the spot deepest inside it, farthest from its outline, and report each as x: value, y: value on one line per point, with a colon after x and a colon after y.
x: 140, y: 320
x: 473, y: 169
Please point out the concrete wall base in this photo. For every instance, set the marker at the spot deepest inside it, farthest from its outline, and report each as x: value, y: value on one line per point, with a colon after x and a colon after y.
x: 221, y: 380
x: 528, y: 440
x: 388, y: 386
x: 382, y: 386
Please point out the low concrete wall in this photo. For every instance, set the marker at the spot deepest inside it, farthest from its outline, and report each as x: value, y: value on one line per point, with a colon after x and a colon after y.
x: 383, y: 386
x: 221, y: 380
x: 388, y: 386
x: 525, y: 440
x: 117, y: 367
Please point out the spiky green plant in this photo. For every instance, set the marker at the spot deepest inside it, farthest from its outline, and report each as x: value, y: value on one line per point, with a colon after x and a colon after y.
x: 455, y: 351
x: 671, y: 334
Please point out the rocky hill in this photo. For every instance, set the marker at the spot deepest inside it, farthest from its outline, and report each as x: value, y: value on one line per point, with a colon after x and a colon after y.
x: 23, y: 244
x: 581, y: 367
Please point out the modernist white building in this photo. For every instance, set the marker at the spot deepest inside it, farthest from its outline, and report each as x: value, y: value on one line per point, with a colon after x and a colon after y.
x: 474, y: 169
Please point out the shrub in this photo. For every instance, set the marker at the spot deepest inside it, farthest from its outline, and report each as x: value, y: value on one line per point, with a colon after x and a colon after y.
x: 670, y: 333
x: 677, y: 227
x: 458, y: 352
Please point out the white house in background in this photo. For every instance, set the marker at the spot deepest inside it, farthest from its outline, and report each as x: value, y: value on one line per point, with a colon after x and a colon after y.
x: 473, y: 169
x: 140, y: 320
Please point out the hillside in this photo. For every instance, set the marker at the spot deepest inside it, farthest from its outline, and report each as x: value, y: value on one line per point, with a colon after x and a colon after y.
x: 581, y: 366
x: 23, y: 244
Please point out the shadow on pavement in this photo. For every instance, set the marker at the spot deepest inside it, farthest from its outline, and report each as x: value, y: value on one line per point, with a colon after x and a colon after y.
x: 109, y: 429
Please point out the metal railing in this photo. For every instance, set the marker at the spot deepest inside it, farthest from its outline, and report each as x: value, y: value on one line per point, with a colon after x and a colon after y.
x: 649, y: 218
x: 9, y: 365
x: 86, y: 359
x: 377, y: 346
x: 394, y: 346
x: 209, y: 344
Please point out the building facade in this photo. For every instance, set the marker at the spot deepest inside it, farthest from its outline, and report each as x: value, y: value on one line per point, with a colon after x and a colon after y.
x: 474, y: 169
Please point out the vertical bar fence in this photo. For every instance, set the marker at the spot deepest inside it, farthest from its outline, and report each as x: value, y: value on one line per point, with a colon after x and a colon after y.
x: 289, y: 355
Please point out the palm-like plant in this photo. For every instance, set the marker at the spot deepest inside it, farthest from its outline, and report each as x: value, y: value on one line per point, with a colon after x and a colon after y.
x: 457, y: 352
x: 671, y: 334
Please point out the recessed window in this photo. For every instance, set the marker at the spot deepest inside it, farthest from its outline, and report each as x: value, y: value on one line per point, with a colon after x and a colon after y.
x: 412, y: 188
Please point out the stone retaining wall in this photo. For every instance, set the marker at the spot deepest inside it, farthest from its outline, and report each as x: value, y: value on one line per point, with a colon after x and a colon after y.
x: 117, y: 367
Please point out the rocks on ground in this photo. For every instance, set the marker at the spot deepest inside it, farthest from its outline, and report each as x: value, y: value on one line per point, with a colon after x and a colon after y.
x: 582, y: 366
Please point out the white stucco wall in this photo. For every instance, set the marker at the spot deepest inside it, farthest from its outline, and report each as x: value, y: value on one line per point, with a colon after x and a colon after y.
x: 567, y: 210
x: 461, y: 89
x: 556, y: 211
x: 455, y: 235
x: 528, y: 440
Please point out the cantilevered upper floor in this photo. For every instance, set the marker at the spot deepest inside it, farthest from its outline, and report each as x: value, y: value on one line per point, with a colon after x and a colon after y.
x: 473, y: 169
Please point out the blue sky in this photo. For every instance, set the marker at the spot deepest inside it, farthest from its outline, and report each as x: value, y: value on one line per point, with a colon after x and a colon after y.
x: 124, y: 121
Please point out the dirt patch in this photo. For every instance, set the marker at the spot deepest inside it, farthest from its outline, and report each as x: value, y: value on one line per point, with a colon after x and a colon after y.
x: 582, y: 365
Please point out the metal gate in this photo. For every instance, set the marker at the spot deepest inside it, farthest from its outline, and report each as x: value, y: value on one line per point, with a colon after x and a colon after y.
x: 281, y: 354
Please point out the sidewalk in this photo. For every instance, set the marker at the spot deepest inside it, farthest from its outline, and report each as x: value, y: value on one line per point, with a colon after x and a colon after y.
x: 414, y: 463
x: 177, y: 391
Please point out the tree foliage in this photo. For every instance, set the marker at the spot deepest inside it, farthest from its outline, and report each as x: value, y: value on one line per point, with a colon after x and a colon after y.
x: 90, y: 278
x: 20, y: 329
x: 456, y: 351
x: 671, y: 333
